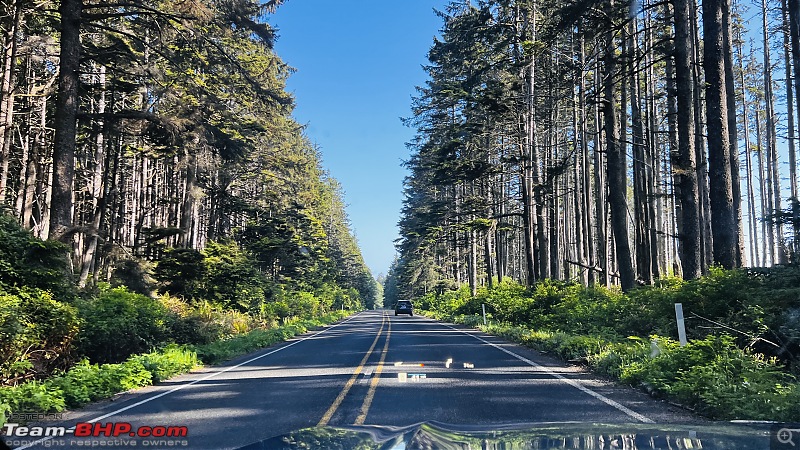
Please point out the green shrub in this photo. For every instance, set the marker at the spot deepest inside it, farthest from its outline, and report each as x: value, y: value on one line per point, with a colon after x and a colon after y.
x: 219, y: 351
x: 181, y: 272
x: 36, y: 333
x: 134, y: 275
x: 33, y: 396
x: 711, y: 375
x: 170, y: 361
x: 89, y: 382
x: 230, y: 278
x: 86, y: 382
x: 119, y: 323
x: 29, y: 262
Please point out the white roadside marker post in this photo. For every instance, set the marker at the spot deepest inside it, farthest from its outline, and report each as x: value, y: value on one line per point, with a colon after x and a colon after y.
x: 681, y: 324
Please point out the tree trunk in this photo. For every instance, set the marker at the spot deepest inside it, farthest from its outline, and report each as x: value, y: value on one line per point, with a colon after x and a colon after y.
x: 723, y: 219
x: 97, y: 186
x: 617, y: 170
x: 7, y: 95
x: 771, y: 138
x: 790, y: 126
x: 65, y: 120
x: 751, y: 208
x: 730, y: 101
x: 684, y: 165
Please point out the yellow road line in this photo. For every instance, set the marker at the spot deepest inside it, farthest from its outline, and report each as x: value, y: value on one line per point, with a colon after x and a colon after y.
x: 375, y: 380
x: 336, y: 403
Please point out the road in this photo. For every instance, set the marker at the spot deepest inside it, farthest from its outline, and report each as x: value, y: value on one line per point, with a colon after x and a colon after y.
x: 353, y: 373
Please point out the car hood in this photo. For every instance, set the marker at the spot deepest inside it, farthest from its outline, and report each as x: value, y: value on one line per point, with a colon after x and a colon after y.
x: 431, y: 435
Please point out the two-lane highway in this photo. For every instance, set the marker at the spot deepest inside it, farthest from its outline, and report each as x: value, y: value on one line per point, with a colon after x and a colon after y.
x: 373, y: 368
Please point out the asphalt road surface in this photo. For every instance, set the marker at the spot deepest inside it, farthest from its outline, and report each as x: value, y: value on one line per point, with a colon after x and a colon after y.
x: 372, y: 368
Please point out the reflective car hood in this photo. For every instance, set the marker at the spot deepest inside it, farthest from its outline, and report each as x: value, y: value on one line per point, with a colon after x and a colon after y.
x: 431, y: 435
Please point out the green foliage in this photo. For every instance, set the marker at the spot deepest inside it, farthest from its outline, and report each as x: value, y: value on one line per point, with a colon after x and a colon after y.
x: 33, y: 396
x: 133, y: 275
x: 168, y: 362
x: 87, y: 382
x: 26, y: 261
x: 753, y: 303
x: 720, y: 380
x: 36, y: 333
x: 712, y: 376
x: 622, y: 335
x: 119, y: 323
x: 230, y: 278
x: 181, y: 271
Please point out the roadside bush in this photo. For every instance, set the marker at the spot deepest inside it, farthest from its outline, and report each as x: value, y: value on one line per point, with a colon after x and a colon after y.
x: 119, y: 323
x: 134, y: 275
x: 89, y: 382
x: 718, y: 379
x: 86, y: 382
x: 166, y: 363
x: 331, y: 296
x: 303, y: 304
x: 33, y: 396
x: 36, y: 334
x: 27, y: 261
x: 586, y: 310
x: 710, y: 375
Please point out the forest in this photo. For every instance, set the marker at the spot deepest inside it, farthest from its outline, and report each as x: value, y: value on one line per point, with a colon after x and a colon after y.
x: 605, y: 142
x: 153, y: 180
x: 579, y: 167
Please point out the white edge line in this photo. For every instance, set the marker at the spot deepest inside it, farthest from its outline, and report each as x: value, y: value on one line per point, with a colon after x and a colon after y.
x: 178, y: 388
x: 573, y: 383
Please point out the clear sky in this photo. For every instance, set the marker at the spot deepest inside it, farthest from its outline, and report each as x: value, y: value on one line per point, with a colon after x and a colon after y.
x: 357, y: 65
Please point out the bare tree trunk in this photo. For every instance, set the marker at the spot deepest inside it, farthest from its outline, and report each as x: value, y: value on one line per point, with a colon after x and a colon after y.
x: 65, y: 120
x: 674, y: 149
x: 723, y: 220
x: 473, y: 264
x: 601, y: 192
x: 617, y: 169
x: 730, y: 101
x: 7, y: 94
x: 771, y: 139
x: 766, y: 198
x: 790, y: 125
x: 751, y: 203
x: 641, y: 182
x: 189, y: 200
x: 97, y: 185
x: 588, y: 195
x: 683, y: 162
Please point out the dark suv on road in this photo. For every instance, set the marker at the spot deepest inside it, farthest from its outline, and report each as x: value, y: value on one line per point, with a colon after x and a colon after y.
x: 404, y: 307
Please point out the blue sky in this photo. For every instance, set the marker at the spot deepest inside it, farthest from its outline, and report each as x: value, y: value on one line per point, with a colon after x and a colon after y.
x: 357, y: 65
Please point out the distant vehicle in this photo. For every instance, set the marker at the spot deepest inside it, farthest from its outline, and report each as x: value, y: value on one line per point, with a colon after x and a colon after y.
x: 404, y: 307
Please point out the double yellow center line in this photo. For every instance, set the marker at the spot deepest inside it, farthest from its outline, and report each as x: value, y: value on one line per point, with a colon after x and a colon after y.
x: 373, y: 385
x: 375, y: 380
